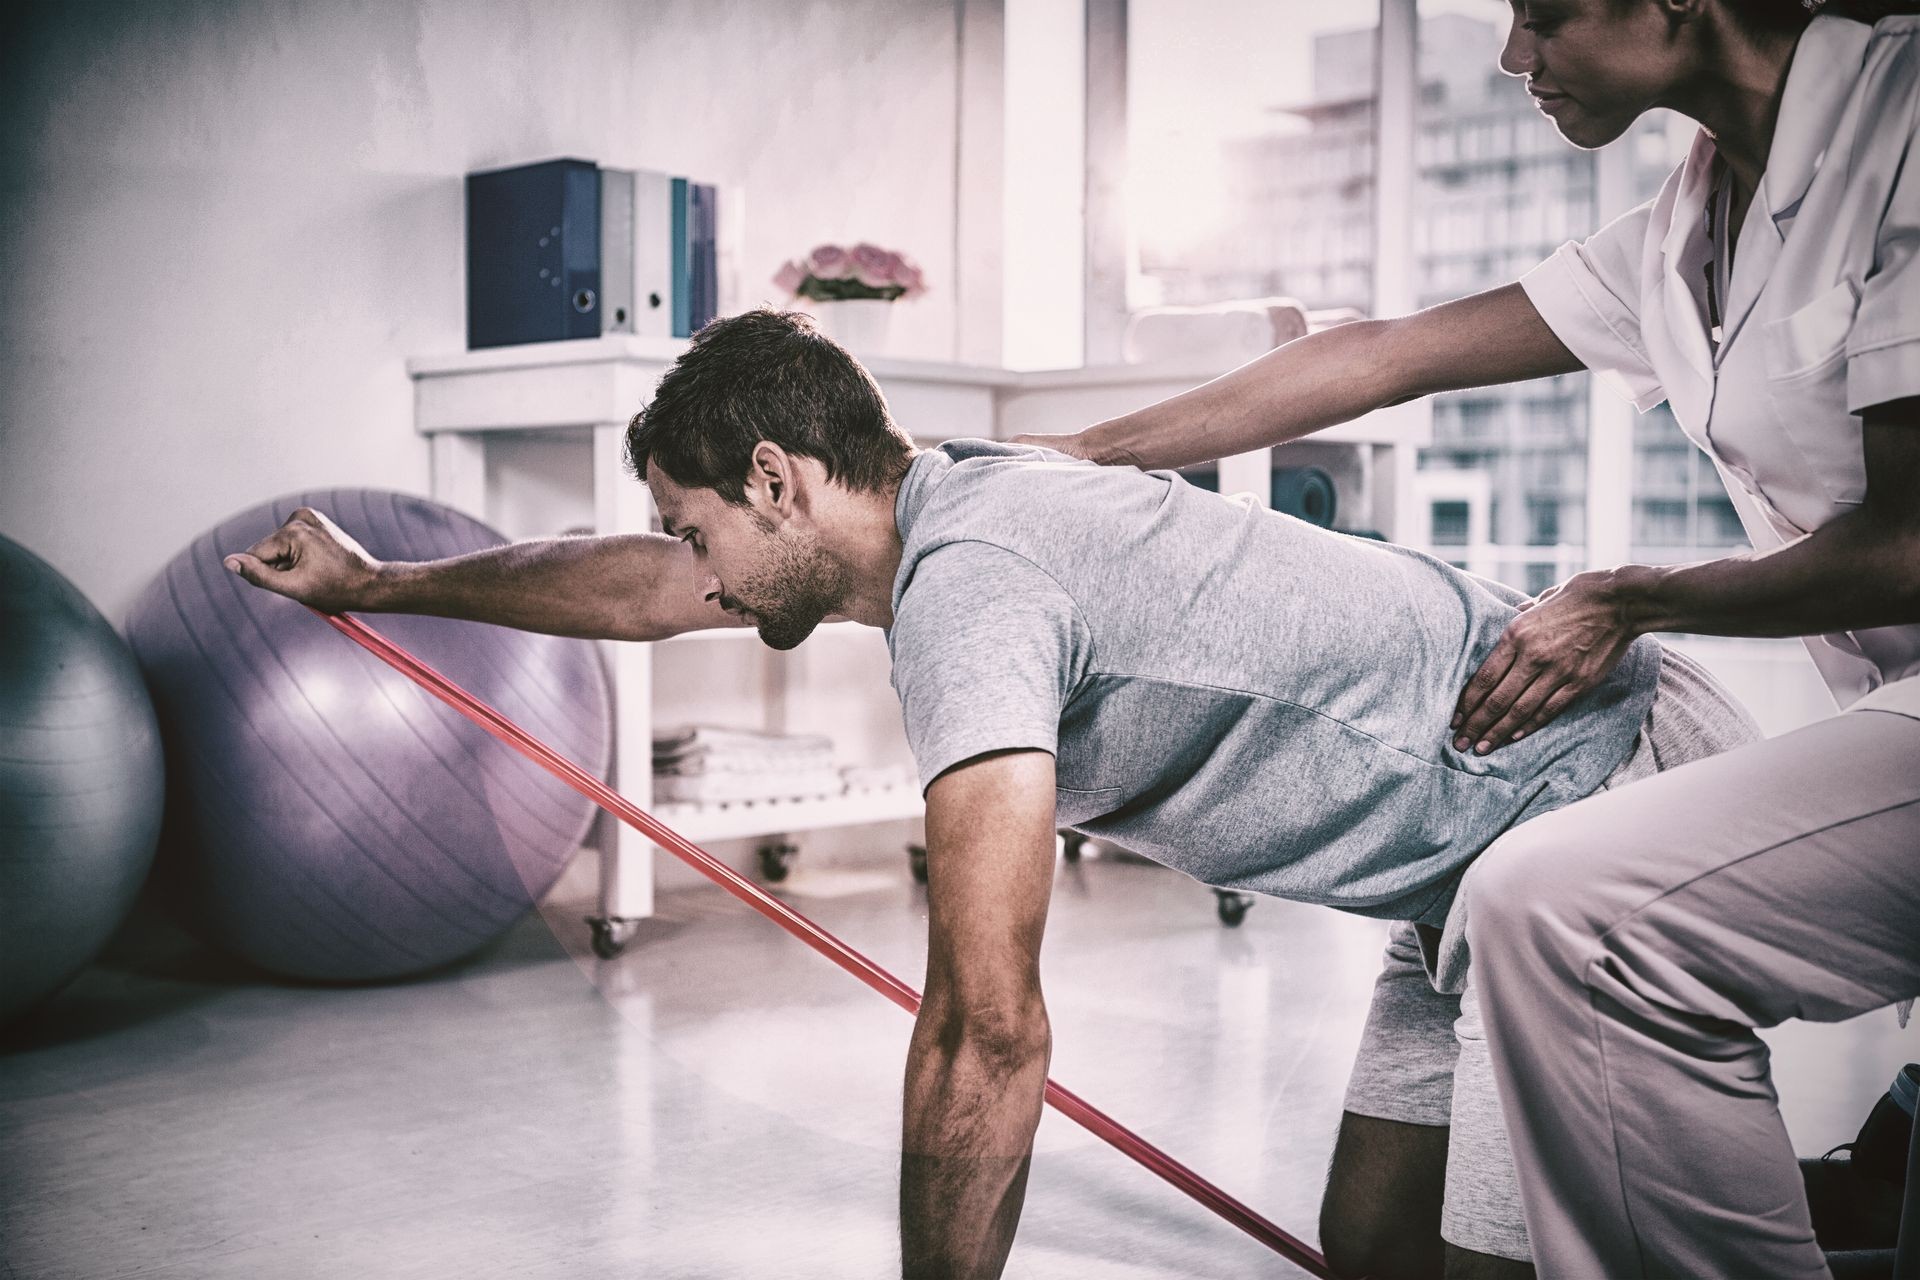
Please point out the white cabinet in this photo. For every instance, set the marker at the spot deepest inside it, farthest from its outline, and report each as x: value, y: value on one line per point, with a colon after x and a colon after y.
x: 531, y: 439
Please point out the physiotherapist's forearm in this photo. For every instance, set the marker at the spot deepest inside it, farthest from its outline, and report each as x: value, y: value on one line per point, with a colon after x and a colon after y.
x: 1332, y: 376
x: 1858, y: 571
x: 972, y: 1106
x: 1845, y: 576
x: 1335, y: 376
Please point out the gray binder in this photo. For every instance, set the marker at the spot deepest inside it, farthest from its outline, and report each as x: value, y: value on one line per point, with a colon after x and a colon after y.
x: 636, y: 252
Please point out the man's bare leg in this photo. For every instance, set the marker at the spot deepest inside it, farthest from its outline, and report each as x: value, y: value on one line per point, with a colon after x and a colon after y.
x: 1381, y: 1214
x: 1465, y: 1264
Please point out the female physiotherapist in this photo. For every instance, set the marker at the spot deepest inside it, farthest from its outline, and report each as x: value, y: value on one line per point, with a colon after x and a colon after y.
x: 1627, y: 946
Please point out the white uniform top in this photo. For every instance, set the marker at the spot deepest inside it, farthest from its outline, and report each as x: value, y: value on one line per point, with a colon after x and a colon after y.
x: 1820, y: 319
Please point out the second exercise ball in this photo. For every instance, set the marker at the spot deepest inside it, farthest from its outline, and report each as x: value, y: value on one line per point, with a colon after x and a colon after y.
x: 80, y: 780
x: 326, y: 817
x: 1306, y: 493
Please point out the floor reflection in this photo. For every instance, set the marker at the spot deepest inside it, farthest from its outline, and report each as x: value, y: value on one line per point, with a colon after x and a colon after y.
x: 717, y: 1101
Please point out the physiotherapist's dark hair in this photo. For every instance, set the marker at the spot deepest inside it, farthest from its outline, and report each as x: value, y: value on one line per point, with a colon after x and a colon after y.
x: 1792, y: 15
x: 766, y: 375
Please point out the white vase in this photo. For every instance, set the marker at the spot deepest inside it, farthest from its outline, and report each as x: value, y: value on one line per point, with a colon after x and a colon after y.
x: 858, y: 324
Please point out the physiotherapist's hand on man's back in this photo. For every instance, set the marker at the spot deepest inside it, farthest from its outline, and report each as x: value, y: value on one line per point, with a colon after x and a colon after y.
x: 1074, y: 445
x: 1089, y: 445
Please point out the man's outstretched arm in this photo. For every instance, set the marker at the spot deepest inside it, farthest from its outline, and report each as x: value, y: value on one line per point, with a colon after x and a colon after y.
x: 642, y: 586
x: 977, y: 1068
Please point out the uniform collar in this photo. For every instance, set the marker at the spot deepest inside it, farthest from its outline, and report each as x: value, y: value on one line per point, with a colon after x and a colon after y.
x: 1690, y: 195
x: 1826, y: 63
x: 1826, y: 66
x: 1683, y: 251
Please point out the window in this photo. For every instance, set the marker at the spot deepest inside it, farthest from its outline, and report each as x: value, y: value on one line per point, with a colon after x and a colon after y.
x: 1252, y: 172
x: 1519, y: 193
x: 1544, y: 517
x: 1449, y: 524
x: 1250, y: 149
x: 1681, y: 510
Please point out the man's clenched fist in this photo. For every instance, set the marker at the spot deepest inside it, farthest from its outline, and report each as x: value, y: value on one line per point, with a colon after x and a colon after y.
x: 311, y: 560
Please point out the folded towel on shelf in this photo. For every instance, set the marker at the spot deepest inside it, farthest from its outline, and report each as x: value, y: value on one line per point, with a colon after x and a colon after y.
x: 746, y: 788
x: 706, y: 749
x: 705, y: 764
x: 879, y: 777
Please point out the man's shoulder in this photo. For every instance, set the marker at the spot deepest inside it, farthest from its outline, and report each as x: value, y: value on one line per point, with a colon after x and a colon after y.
x: 1010, y: 494
x: 995, y: 467
x: 972, y: 612
x: 971, y: 574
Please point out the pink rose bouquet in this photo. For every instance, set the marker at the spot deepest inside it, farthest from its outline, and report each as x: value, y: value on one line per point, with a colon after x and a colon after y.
x: 831, y: 272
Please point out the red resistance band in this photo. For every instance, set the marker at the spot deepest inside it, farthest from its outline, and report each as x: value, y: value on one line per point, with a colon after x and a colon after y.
x: 1094, y: 1121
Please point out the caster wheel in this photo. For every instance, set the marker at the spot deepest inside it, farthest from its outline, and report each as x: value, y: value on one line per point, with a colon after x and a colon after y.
x: 776, y: 860
x: 1232, y: 906
x: 1071, y: 846
x: 917, y: 862
x: 611, y: 934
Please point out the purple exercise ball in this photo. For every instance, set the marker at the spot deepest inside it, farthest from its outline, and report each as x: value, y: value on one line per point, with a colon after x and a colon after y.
x: 326, y: 818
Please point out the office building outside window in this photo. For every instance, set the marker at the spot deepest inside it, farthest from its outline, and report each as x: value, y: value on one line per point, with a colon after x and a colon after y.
x: 1281, y: 203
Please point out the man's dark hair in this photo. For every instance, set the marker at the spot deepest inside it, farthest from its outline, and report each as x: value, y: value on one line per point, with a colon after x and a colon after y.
x: 766, y: 375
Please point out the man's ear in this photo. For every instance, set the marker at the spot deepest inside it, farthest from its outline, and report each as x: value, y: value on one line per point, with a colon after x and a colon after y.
x: 770, y: 470
x: 1679, y: 12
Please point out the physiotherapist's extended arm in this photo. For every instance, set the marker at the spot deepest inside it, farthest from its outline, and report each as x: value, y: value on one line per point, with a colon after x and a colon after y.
x: 1330, y: 377
x: 1858, y: 571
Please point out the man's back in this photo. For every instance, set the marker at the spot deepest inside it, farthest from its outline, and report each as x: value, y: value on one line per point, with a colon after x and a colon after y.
x: 1232, y: 692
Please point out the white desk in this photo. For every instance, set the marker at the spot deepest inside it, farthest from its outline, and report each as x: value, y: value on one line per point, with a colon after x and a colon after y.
x: 588, y: 390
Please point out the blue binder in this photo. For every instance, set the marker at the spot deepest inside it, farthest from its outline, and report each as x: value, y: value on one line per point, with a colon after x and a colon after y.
x: 533, y: 253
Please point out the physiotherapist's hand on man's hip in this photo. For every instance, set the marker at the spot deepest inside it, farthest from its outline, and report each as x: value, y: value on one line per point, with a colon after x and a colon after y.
x: 1565, y: 641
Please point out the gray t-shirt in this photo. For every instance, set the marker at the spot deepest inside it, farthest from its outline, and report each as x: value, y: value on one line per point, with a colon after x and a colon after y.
x: 1235, y: 693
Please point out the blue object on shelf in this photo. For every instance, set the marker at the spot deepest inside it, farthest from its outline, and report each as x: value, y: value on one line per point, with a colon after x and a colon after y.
x: 533, y: 253
x: 682, y: 213
x: 694, y: 238
x: 566, y: 249
x: 1306, y: 493
x: 703, y: 283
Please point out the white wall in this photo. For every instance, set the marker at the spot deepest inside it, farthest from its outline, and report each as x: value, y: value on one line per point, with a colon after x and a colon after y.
x: 224, y: 226
x: 1045, y: 233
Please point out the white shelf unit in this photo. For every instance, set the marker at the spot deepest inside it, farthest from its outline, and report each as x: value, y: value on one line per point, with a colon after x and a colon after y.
x: 589, y: 389
x: 748, y: 819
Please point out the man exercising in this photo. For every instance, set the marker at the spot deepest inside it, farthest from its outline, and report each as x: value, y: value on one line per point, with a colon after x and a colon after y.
x: 1242, y: 696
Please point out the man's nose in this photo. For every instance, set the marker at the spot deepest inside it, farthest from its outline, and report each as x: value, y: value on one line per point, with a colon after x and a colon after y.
x: 710, y: 587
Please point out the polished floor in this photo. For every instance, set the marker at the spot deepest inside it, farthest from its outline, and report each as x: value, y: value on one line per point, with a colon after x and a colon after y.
x: 718, y: 1101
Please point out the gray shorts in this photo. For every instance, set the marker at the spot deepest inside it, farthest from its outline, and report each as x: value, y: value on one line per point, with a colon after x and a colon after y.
x: 1423, y: 1056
